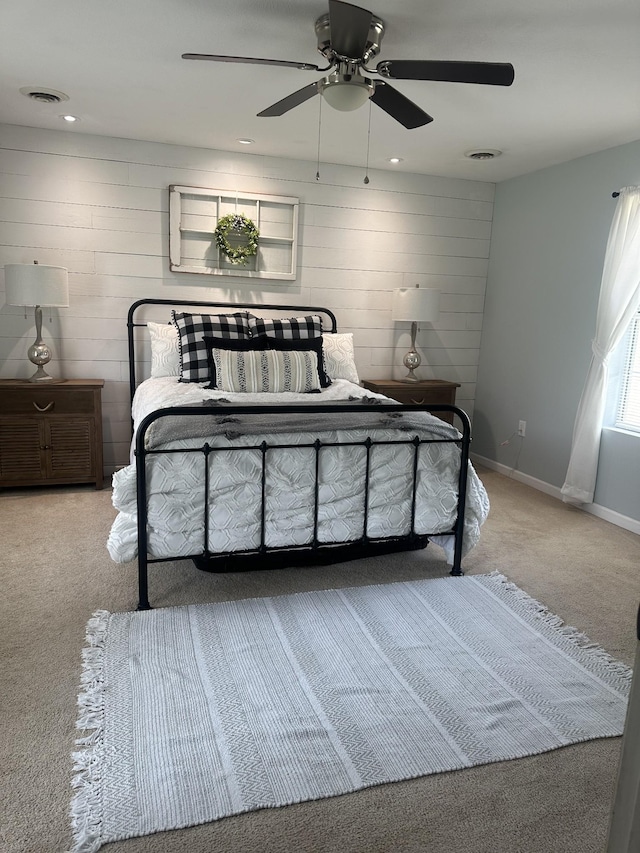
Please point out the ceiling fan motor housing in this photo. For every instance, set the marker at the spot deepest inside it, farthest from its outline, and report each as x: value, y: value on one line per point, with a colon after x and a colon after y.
x: 372, y: 48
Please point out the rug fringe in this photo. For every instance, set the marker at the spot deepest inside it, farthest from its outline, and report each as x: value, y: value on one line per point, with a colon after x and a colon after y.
x: 86, y: 805
x: 614, y: 667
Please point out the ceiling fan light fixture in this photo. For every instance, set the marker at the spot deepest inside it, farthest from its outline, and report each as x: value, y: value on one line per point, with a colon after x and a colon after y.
x: 346, y: 92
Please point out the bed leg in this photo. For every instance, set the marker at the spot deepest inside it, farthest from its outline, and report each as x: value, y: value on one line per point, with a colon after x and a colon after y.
x: 456, y: 567
x: 143, y: 585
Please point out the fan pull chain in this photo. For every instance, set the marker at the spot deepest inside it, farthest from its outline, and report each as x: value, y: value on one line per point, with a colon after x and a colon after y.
x: 366, y: 171
x: 319, y: 128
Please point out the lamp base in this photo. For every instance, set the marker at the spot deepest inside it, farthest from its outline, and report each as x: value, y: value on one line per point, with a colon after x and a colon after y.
x: 39, y: 353
x: 41, y: 376
x: 411, y: 361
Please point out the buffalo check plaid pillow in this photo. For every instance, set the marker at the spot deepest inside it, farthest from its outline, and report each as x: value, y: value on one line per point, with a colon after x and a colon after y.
x: 194, y: 365
x: 293, y: 328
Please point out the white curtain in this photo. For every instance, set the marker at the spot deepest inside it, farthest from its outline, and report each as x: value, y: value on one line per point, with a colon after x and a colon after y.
x: 619, y: 301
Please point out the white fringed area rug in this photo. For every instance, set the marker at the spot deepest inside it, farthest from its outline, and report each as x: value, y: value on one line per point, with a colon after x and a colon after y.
x: 194, y: 713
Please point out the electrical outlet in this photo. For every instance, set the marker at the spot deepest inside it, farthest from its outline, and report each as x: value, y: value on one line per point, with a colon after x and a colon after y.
x: 522, y: 428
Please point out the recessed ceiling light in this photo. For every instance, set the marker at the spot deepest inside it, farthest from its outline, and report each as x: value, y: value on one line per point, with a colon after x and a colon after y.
x: 246, y: 141
x: 395, y: 159
x: 70, y: 118
x: 483, y: 153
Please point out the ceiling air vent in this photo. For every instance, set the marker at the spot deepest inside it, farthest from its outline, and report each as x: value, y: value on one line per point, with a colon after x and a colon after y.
x: 44, y: 96
x: 483, y: 154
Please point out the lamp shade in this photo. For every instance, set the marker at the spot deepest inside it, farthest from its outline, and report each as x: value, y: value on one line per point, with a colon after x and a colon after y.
x: 36, y: 284
x: 415, y: 304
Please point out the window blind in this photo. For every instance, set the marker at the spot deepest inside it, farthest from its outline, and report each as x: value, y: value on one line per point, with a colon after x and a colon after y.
x: 629, y: 405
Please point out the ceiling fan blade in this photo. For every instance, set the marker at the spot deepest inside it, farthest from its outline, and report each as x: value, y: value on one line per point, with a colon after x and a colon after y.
x: 303, y: 66
x: 291, y: 101
x: 400, y: 108
x: 349, y: 29
x: 488, y: 73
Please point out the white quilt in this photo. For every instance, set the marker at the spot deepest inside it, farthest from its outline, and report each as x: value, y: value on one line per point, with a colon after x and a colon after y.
x: 176, y: 493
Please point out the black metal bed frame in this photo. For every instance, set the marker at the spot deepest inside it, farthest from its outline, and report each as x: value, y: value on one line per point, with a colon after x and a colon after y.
x: 311, y: 553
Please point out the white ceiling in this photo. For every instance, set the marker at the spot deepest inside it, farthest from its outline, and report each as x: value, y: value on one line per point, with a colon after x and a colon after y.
x: 576, y: 90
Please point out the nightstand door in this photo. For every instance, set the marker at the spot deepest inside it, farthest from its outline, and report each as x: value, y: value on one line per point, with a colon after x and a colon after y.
x: 22, y: 453
x: 70, y: 445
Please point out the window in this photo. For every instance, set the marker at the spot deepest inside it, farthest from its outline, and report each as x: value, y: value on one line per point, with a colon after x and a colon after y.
x: 193, y: 216
x: 628, y: 415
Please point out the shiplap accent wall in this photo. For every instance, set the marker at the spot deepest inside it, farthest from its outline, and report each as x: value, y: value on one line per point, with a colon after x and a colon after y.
x: 99, y: 206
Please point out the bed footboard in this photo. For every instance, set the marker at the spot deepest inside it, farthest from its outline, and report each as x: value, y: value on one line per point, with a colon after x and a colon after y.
x: 313, y: 551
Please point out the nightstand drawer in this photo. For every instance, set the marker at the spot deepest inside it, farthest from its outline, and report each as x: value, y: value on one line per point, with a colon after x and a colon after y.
x: 53, y: 400
x: 427, y: 392
x: 416, y: 397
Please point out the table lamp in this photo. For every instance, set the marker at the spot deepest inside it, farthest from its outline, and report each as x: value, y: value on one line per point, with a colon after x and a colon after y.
x: 37, y: 285
x: 414, y: 305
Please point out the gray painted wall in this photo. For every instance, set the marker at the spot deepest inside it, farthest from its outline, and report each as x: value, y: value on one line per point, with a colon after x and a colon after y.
x: 549, y: 238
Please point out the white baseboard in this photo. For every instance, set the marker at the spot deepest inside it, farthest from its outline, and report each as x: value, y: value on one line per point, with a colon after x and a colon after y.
x: 617, y: 518
x: 603, y: 512
x: 527, y: 479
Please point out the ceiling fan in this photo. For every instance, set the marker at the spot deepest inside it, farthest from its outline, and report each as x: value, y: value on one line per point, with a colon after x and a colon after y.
x: 349, y: 37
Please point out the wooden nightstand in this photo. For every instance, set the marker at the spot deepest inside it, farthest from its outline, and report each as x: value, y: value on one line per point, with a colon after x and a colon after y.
x: 425, y: 392
x: 51, y: 433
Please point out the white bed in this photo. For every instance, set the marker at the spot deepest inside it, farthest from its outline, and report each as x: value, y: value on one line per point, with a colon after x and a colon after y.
x: 255, y: 479
x: 176, y: 503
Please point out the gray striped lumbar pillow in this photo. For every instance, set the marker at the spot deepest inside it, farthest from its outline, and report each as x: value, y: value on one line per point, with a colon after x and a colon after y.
x: 266, y: 371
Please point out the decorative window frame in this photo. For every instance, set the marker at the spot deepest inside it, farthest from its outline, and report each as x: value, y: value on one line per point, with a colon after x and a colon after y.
x: 193, y: 216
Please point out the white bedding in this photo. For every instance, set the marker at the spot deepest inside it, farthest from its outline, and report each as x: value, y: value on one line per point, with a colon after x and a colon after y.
x: 176, y: 493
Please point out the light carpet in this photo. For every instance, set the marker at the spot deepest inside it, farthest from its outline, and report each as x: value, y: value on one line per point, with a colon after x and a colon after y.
x: 194, y: 713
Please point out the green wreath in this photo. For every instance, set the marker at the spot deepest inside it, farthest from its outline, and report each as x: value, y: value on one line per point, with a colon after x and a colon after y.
x: 237, y: 223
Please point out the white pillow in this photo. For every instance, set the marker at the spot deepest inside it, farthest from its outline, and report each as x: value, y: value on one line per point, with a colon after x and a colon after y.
x: 266, y: 370
x: 165, y: 352
x: 339, y: 360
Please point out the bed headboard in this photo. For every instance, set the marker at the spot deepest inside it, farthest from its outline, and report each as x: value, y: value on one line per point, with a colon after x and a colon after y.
x: 179, y: 304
